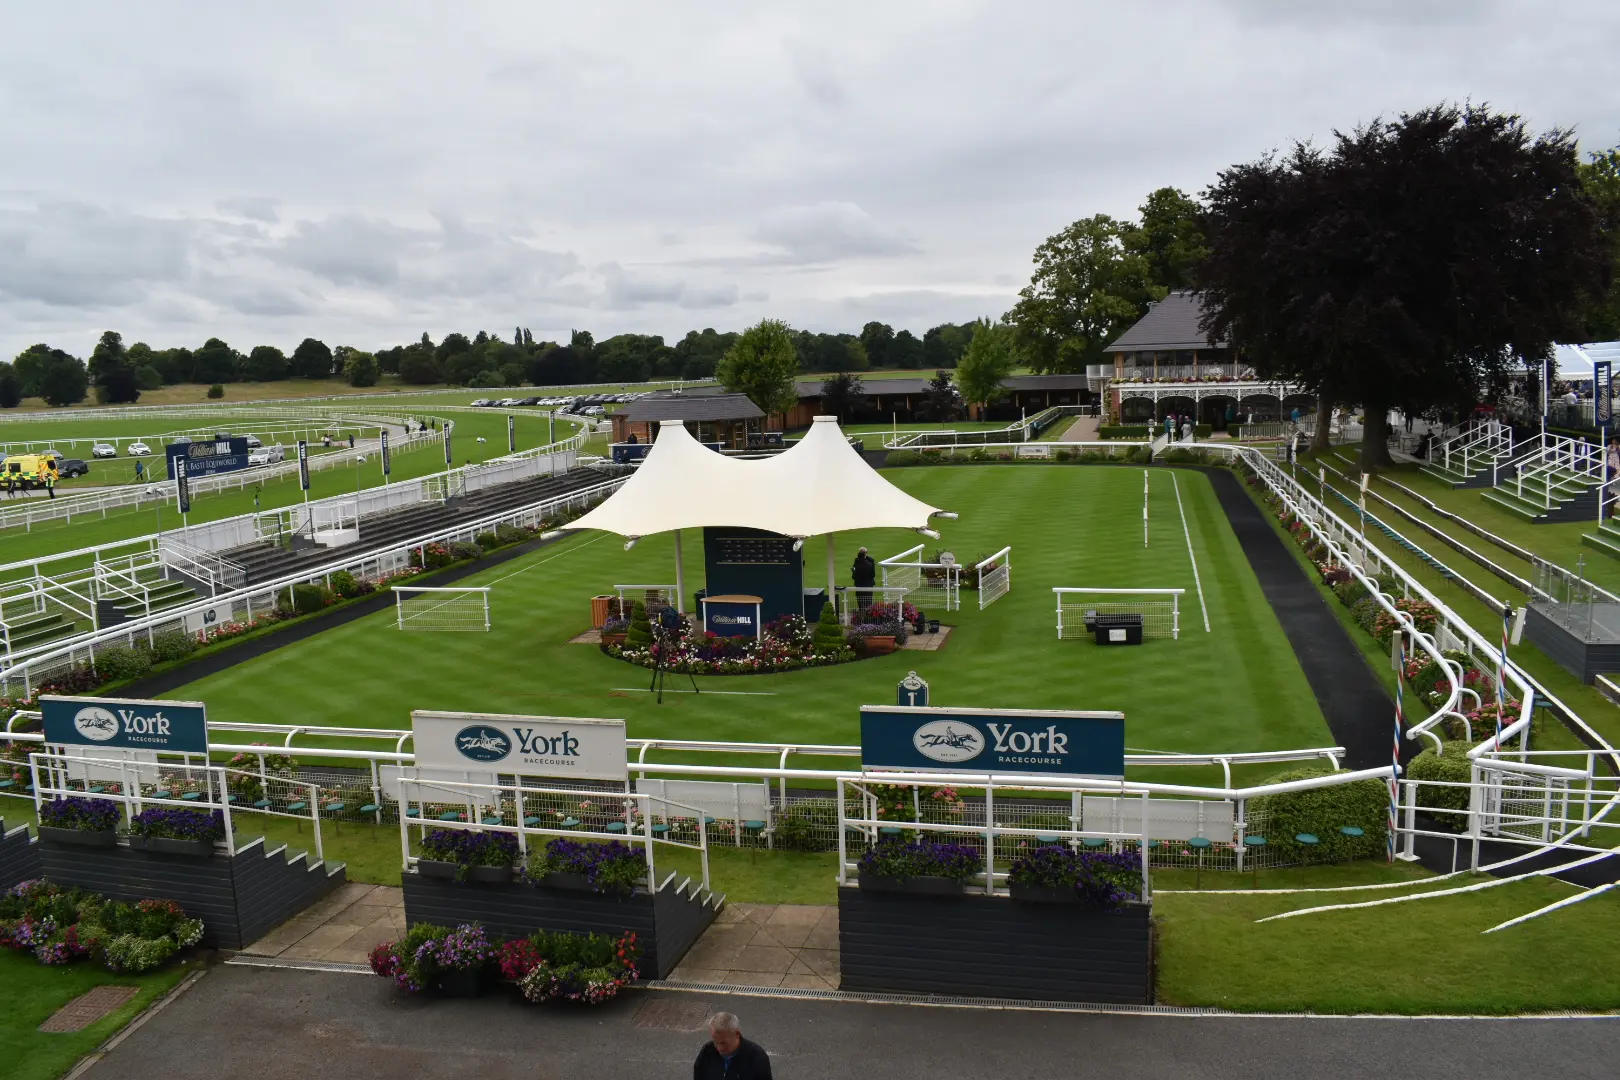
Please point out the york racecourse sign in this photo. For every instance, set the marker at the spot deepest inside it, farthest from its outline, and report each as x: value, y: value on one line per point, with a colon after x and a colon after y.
x: 994, y: 740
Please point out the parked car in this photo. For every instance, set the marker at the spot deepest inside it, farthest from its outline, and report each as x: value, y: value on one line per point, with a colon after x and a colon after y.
x: 137, y: 449
x: 103, y: 450
x: 594, y: 410
x: 69, y: 467
x: 254, y: 442
x: 480, y: 403
x: 268, y: 454
x: 529, y: 401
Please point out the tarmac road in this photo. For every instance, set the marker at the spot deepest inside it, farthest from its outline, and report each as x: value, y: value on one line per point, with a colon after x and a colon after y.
x: 264, y: 1024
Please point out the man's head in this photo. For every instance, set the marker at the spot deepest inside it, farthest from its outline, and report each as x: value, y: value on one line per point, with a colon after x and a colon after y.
x: 862, y: 551
x: 725, y: 1033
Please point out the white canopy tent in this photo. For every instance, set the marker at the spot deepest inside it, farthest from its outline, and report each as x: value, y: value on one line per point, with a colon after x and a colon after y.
x: 821, y: 485
x: 1574, y: 362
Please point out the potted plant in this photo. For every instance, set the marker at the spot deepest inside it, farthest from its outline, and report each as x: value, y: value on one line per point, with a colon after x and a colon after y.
x: 467, y: 855
x: 613, y: 631
x: 583, y: 867
x: 1057, y: 874
x: 589, y: 969
x: 84, y: 822
x: 919, y: 867
x: 457, y: 963
x: 175, y: 830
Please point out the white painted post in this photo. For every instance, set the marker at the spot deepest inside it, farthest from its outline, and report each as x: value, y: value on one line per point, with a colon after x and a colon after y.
x: 680, y: 575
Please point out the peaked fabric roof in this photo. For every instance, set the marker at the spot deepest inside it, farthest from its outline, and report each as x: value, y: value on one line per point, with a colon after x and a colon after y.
x: 820, y: 485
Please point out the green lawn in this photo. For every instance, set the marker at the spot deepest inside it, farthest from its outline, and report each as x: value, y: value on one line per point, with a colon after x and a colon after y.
x: 31, y: 992
x: 1239, y: 687
x: 1427, y: 956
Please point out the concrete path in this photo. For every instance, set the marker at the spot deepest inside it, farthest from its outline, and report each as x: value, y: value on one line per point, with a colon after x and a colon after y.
x: 240, y: 1023
x: 341, y: 928
x: 1084, y: 429
x: 790, y: 945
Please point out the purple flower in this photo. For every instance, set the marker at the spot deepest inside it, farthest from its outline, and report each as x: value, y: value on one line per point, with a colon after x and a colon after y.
x: 85, y: 815
x: 179, y: 823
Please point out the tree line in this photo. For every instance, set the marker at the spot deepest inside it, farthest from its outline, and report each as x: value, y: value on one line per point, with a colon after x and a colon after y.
x: 118, y: 373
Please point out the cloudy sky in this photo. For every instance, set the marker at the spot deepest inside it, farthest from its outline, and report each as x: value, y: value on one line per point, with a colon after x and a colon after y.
x: 362, y: 173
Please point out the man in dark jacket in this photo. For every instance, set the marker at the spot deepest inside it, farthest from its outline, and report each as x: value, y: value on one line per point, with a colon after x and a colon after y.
x: 864, y: 572
x: 729, y: 1056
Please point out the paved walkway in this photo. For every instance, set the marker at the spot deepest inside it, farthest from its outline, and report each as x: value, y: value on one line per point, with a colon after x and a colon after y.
x: 1084, y: 429
x: 340, y: 928
x: 792, y: 945
x: 240, y: 1023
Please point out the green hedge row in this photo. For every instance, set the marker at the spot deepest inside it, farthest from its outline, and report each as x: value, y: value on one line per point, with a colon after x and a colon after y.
x: 1322, y: 812
x: 1451, y: 765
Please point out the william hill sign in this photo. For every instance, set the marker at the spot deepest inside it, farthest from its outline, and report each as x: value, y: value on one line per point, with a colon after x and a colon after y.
x: 1088, y: 744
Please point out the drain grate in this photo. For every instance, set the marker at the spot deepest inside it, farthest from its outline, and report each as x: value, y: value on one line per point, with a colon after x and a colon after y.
x: 670, y: 1013
x: 86, y: 1009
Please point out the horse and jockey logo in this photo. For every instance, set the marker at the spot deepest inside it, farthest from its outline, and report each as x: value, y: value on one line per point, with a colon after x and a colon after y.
x: 482, y: 743
x: 96, y: 724
x: 947, y: 740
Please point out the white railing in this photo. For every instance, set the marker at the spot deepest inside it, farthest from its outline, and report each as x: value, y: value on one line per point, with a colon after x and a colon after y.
x: 263, y: 596
x: 995, y: 577
x: 910, y: 572
x: 1021, y: 431
x: 1487, y: 444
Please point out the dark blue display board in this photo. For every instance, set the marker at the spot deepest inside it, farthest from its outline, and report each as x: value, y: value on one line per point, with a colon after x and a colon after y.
x: 730, y: 618
x: 755, y: 563
x: 205, y: 458
x: 994, y: 740
x: 171, y: 726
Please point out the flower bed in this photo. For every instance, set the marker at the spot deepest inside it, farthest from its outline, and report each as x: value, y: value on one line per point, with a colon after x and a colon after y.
x: 61, y: 926
x: 177, y: 830
x: 1103, y: 880
x: 469, y: 854
x: 919, y: 866
x: 788, y: 644
x: 547, y: 966
x: 612, y: 867
x: 85, y: 822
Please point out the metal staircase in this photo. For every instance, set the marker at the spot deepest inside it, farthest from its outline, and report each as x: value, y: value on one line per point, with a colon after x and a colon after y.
x: 1552, y: 478
x: 1474, y: 456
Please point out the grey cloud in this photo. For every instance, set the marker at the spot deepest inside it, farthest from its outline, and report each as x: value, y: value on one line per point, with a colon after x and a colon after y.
x: 628, y: 289
x: 828, y: 231
x: 816, y: 71
x: 346, y: 250
x: 254, y: 208
x: 78, y: 255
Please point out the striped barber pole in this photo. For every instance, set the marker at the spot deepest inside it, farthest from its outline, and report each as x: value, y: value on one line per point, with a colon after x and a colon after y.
x: 1395, y: 748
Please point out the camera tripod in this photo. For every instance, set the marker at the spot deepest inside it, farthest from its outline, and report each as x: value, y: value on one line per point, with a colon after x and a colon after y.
x: 665, y: 631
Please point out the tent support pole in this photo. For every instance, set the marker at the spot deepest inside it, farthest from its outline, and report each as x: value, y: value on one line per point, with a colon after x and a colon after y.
x: 680, y: 575
x: 832, y: 575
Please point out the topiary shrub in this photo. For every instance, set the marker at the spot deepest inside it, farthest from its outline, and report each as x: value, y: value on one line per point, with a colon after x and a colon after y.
x: 510, y: 534
x: 1450, y: 765
x: 347, y: 585
x: 1064, y: 455
x: 308, y: 599
x: 123, y: 663
x: 829, y: 635
x: 172, y: 645
x: 1322, y: 812
x: 639, y: 634
x: 460, y: 551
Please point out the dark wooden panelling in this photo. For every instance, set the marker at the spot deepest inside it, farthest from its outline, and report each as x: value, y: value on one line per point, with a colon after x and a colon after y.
x: 1578, y: 657
x: 19, y: 856
x: 665, y: 925
x: 237, y: 898
x: 990, y: 946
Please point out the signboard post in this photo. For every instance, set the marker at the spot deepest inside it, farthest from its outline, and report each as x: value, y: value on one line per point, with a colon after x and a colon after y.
x: 207, y: 457
x: 574, y: 748
x: 1001, y: 741
x: 382, y: 445
x: 913, y: 691
x: 174, y: 727
x: 511, y: 434
x: 303, y: 467
x: 447, y: 444
x: 1602, y: 408
x: 182, y: 489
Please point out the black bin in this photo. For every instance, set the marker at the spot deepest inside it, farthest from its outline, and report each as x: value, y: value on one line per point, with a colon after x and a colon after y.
x: 1115, y: 628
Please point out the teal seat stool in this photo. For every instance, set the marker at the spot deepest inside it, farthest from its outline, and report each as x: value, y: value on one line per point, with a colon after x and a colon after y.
x: 233, y: 798
x: 1094, y: 842
x: 414, y: 811
x: 1352, y: 831
x: 1048, y: 841
x: 531, y: 821
x: 570, y: 823
x: 297, y: 807
x: 335, y: 807
x: 1153, y: 845
x: 4, y: 784
x: 370, y: 808
x: 261, y: 804
x: 98, y: 790
x: 1254, y: 844
x: 1308, y: 839
x: 492, y: 820
x: 660, y: 830
x: 1199, y: 844
x: 615, y: 827
x: 191, y: 796
x: 161, y: 793
x: 450, y: 815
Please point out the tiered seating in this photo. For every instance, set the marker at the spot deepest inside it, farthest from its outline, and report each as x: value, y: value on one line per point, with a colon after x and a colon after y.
x: 32, y: 631
x: 1573, y: 497
x: 267, y: 561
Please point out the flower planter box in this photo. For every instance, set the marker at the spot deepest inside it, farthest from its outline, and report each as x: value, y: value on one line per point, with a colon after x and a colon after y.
x: 1044, y: 894
x: 976, y: 945
x: 168, y: 845
x: 880, y: 646
x: 610, y: 640
x: 921, y: 885
x: 489, y: 875
x: 462, y: 984
x: 433, y: 868
x: 79, y: 837
x: 565, y: 882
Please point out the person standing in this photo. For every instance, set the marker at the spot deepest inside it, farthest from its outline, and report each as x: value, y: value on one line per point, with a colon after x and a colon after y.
x: 50, y: 484
x: 863, y: 573
x: 729, y: 1056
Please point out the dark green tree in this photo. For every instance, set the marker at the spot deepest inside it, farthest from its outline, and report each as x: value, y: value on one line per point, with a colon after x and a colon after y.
x: 10, y: 387
x: 118, y: 386
x: 941, y: 402
x: 905, y: 351
x: 452, y: 345
x: 360, y: 368
x: 312, y: 359
x: 265, y: 363
x: 1320, y: 275
x: 1170, y: 238
x: 108, y: 355
x: 215, y: 362
x: 989, y: 359
x: 63, y: 379
x: 1601, y: 177
x: 762, y: 364
x: 876, y: 337
x: 842, y: 394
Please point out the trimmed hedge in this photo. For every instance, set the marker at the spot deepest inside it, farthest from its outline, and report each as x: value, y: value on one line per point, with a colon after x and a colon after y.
x: 1451, y: 765
x: 1322, y: 812
x: 123, y: 663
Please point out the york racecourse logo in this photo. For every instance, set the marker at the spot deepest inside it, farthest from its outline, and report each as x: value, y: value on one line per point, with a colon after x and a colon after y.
x: 96, y: 724
x: 483, y: 743
x: 943, y: 740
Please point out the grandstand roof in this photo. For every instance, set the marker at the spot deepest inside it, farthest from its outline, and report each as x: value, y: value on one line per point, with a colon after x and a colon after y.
x: 1574, y: 362
x: 820, y: 485
x: 693, y: 407
x: 1172, y: 323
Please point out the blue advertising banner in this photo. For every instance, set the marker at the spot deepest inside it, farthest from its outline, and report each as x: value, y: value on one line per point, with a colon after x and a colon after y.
x: 169, y: 726
x: 382, y: 439
x: 1043, y: 741
x: 913, y: 690
x: 210, y: 457
x: 182, y: 485
x: 303, y: 464
x: 732, y: 616
x: 1602, y: 391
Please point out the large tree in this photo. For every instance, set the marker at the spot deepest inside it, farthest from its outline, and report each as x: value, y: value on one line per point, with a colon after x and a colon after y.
x: 1088, y: 287
x: 1414, y: 263
x: 265, y: 363
x: 989, y: 359
x: 1170, y: 238
x: 841, y: 393
x: 876, y: 338
x: 762, y: 365
x: 1601, y: 176
x: 215, y: 362
x: 312, y: 360
x: 108, y: 355
x: 63, y: 379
